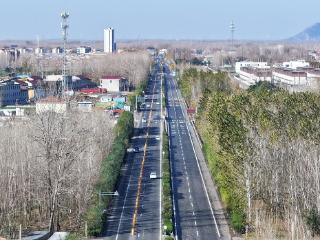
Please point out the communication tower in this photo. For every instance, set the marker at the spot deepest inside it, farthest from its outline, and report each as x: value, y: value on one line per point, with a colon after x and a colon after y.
x: 64, y: 27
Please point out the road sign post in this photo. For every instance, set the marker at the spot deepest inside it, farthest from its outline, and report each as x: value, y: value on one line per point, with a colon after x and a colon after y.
x: 101, y: 194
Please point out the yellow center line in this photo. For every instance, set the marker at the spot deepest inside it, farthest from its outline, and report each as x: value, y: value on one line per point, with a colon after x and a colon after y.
x: 134, y: 220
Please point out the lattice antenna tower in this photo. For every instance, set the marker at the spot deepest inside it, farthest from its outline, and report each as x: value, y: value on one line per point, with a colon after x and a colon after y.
x: 232, y: 30
x: 64, y: 27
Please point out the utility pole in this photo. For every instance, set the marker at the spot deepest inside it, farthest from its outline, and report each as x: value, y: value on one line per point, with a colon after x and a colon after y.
x: 136, y: 102
x: 64, y: 27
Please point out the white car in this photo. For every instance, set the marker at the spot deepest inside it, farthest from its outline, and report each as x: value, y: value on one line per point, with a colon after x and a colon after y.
x: 144, y: 120
x: 153, y: 175
x: 133, y: 149
x: 129, y: 150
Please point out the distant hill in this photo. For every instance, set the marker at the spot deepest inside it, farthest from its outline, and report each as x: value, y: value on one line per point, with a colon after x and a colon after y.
x: 310, y: 34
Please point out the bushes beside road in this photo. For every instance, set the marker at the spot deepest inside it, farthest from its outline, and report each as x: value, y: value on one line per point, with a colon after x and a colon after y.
x: 139, y: 91
x: 167, y: 213
x: 110, y: 170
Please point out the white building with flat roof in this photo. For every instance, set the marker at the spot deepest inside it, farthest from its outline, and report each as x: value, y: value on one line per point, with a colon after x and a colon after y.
x: 109, y: 44
x: 84, y: 50
x: 295, y: 64
x: 245, y: 64
x: 51, y: 104
x: 290, y: 76
x: 253, y: 75
x: 114, y: 83
x: 252, y: 72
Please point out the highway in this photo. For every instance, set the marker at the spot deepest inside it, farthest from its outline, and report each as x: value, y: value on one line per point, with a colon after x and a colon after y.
x: 136, y: 212
x: 194, y: 216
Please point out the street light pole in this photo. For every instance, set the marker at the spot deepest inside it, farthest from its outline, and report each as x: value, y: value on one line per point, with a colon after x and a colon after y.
x: 136, y: 102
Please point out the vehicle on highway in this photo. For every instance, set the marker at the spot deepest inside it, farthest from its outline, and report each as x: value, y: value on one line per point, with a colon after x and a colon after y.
x: 136, y: 149
x: 133, y: 149
x: 148, y: 105
x: 144, y: 120
x: 153, y: 175
x: 129, y: 150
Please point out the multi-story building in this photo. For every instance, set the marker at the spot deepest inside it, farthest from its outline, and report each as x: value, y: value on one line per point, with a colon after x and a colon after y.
x: 289, y: 76
x: 57, y: 50
x: 114, y: 83
x: 84, y: 50
x: 313, y: 75
x: 295, y: 64
x: 54, y: 83
x: 239, y: 65
x: 109, y: 43
x: 12, y: 92
x: 253, y: 72
x: 253, y: 75
x: 41, y: 50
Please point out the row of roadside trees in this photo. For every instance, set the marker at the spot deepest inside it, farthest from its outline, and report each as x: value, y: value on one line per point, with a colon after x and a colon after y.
x: 262, y: 150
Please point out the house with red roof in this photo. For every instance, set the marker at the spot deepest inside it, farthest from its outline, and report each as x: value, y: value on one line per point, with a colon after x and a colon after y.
x: 114, y: 83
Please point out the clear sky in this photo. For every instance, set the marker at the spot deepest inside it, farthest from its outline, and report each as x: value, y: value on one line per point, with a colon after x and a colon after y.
x: 158, y: 19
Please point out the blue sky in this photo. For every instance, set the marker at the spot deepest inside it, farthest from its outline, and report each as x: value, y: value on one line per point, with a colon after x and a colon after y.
x: 151, y: 19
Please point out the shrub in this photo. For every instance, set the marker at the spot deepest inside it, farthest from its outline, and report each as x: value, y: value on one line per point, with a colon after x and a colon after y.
x: 313, y: 221
x: 110, y: 170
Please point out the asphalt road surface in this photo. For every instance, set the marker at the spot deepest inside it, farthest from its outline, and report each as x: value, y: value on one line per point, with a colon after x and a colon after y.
x: 194, y: 217
x: 120, y: 218
x: 136, y: 212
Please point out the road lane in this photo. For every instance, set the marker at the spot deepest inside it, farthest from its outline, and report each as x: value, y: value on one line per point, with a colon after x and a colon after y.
x: 120, y: 222
x: 194, y: 216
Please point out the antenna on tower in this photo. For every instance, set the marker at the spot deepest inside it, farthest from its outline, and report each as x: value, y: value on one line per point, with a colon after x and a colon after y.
x: 64, y: 27
x: 232, y: 30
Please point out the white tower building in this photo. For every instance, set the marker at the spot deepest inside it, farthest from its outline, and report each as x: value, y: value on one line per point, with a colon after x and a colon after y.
x: 109, y: 44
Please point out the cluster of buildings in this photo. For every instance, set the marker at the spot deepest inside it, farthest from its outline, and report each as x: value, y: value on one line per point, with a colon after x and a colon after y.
x: 20, y: 90
x: 109, y: 46
x: 14, y: 51
x: 23, y: 93
x: 110, y: 95
x: 292, y: 73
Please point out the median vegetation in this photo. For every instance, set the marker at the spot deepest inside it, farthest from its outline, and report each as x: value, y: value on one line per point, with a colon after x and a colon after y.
x: 109, y: 174
x: 262, y: 148
x: 167, y: 213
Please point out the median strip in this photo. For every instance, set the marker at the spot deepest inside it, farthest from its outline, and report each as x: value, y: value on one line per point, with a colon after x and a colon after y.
x: 167, y: 213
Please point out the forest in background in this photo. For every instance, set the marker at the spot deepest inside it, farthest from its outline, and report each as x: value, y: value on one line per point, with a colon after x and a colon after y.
x: 262, y: 148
